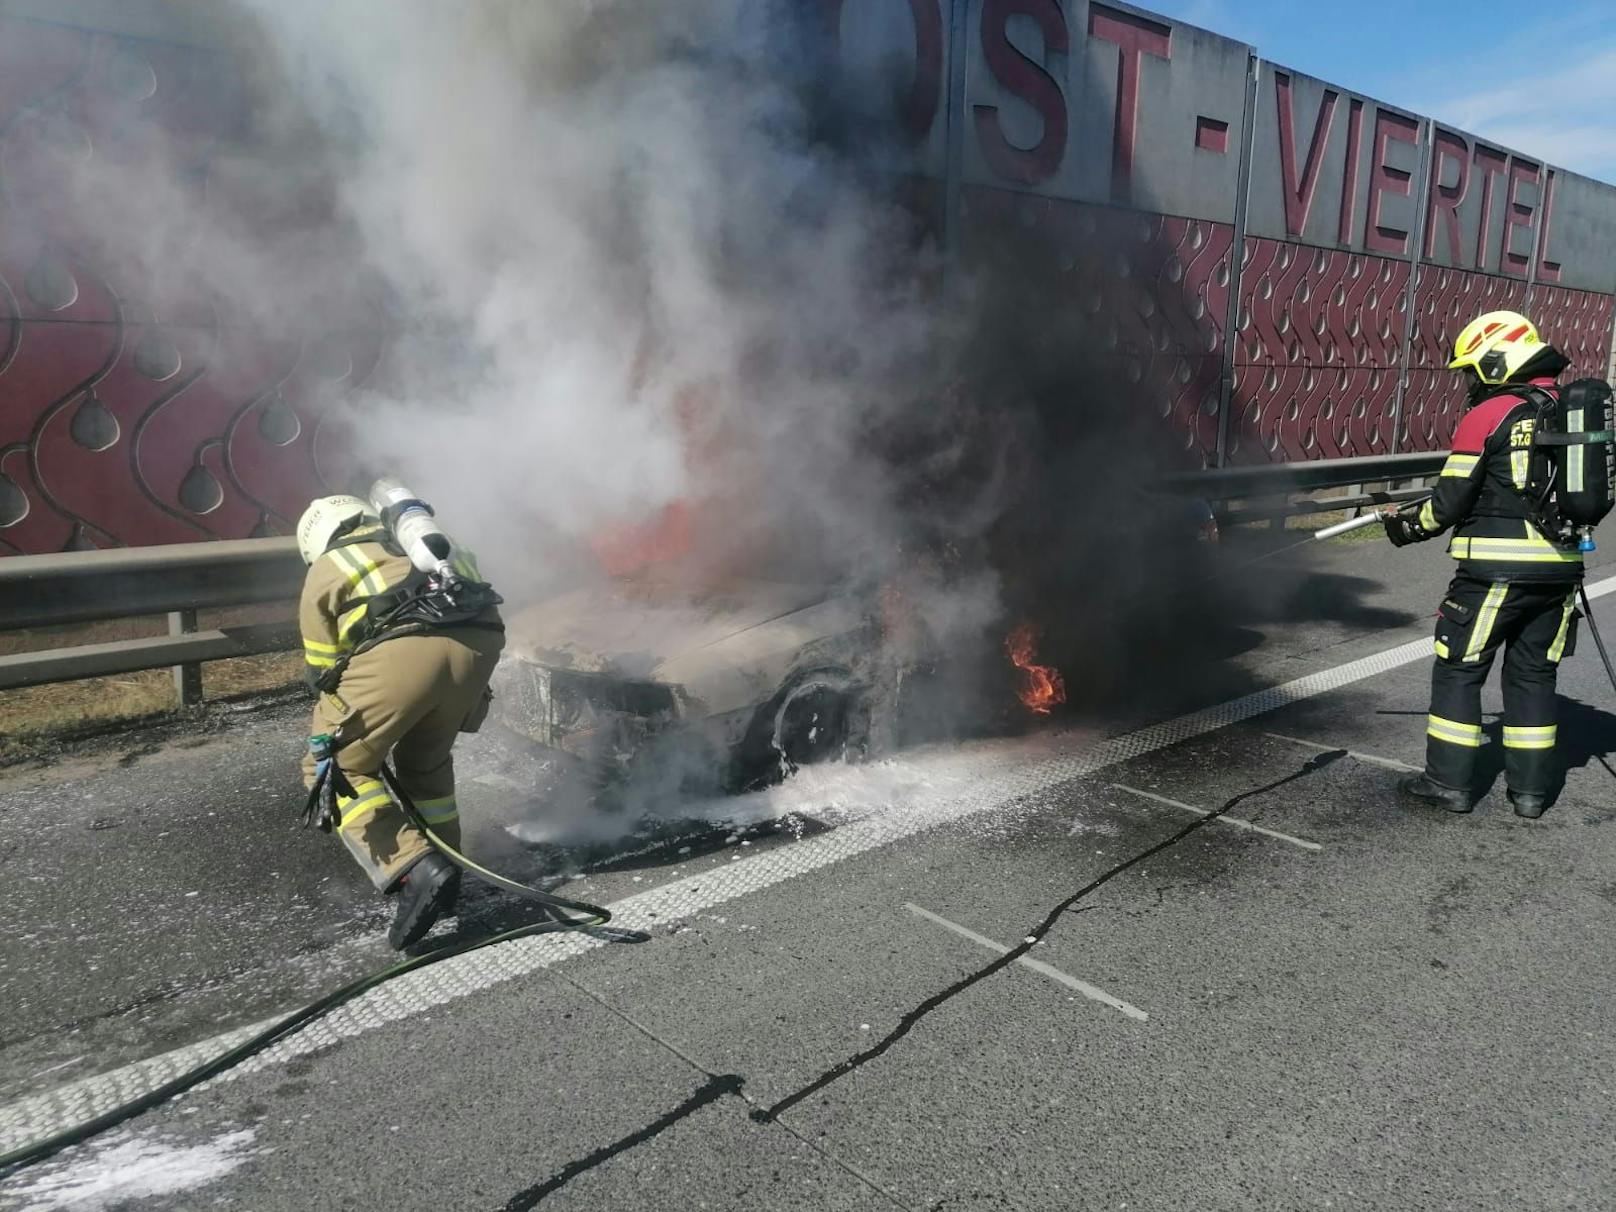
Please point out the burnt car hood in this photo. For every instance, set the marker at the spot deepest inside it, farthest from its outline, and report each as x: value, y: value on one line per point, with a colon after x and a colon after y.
x: 723, y: 649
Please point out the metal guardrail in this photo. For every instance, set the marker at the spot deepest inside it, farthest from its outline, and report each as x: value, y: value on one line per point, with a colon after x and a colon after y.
x: 1284, y: 509
x: 1273, y: 485
x: 180, y: 579
x: 89, y: 586
x: 185, y: 650
x: 176, y: 580
x: 1221, y: 484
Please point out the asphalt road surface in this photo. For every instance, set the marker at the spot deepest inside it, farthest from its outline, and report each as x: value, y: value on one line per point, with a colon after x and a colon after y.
x: 1025, y: 972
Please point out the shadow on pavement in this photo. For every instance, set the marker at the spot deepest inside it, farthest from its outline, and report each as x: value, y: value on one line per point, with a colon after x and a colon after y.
x: 1587, y: 737
x: 485, y: 913
x: 1176, y: 653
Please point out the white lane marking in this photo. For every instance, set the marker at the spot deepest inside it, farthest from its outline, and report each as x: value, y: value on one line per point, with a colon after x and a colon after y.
x: 1372, y: 759
x: 1007, y: 774
x: 1236, y: 821
x: 1093, y: 992
x: 1600, y: 588
x: 67, y: 1064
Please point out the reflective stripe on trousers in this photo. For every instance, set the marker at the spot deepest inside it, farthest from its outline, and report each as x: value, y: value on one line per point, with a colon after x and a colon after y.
x: 1454, y: 732
x: 369, y: 795
x: 1541, y: 736
x: 1531, y: 623
x: 1557, y: 649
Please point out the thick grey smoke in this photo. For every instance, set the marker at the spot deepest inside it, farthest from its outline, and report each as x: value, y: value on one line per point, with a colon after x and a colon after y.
x: 626, y: 273
x: 644, y: 272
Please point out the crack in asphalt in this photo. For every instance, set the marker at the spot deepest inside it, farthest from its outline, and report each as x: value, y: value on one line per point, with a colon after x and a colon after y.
x: 718, y: 1086
x: 715, y: 1087
x: 710, y: 1091
x: 908, y: 1022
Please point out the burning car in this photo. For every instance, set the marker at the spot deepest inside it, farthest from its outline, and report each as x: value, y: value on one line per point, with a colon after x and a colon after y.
x: 744, y: 683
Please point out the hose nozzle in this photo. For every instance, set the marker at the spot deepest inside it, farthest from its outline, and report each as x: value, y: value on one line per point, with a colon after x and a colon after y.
x: 1368, y: 519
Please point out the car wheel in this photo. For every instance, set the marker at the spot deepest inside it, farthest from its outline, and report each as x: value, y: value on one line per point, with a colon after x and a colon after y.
x: 819, y: 717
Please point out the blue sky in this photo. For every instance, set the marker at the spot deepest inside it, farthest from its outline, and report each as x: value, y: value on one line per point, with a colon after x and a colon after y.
x: 1549, y: 89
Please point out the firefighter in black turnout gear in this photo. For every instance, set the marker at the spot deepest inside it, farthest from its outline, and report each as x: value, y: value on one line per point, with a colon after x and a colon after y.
x: 1518, y: 569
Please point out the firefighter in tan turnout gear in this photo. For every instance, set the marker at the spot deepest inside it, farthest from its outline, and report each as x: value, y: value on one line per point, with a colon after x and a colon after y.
x: 400, y: 637
x: 1519, y: 562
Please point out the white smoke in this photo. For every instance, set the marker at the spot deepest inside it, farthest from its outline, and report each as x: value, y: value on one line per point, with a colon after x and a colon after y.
x: 625, y: 273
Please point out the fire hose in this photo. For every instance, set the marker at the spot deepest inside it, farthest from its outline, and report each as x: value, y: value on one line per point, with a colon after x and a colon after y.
x: 430, y: 551
x: 557, y: 910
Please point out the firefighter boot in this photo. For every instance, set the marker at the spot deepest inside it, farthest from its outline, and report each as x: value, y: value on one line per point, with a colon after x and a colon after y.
x: 1425, y: 789
x: 1528, y: 805
x: 428, y: 889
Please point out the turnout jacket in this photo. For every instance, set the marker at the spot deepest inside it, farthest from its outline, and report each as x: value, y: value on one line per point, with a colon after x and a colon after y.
x: 344, y: 584
x: 1481, y: 496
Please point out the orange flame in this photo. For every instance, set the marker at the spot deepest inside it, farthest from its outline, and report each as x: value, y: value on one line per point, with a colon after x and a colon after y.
x: 1043, y: 687
x: 661, y: 539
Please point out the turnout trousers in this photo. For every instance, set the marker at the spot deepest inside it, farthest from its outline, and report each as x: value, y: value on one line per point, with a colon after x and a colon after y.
x: 1535, y: 624
x: 410, y: 697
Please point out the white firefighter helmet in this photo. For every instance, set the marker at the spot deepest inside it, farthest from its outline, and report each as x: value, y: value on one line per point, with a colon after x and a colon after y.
x: 322, y: 520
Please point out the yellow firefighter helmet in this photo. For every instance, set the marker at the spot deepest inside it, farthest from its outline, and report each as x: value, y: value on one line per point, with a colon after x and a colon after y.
x: 1495, y: 346
x: 323, y: 520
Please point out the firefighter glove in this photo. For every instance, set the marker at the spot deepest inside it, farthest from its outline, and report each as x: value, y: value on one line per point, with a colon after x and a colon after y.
x: 321, y: 809
x: 1403, y: 527
x: 326, y: 815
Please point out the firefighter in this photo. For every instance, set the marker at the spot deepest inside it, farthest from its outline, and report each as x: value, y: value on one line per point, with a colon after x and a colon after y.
x: 391, y: 684
x: 1515, y: 584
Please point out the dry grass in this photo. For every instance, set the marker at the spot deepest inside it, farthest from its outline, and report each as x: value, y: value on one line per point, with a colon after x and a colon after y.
x: 38, y: 713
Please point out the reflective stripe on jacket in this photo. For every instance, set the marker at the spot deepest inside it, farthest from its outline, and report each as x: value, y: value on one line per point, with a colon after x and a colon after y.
x: 333, y: 606
x: 334, y: 614
x: 1480, y: 496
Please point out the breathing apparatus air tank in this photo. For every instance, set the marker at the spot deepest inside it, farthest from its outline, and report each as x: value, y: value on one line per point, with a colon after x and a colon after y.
x: 414, y: 526
x: 1586, y: 484
x: 1578, y: 432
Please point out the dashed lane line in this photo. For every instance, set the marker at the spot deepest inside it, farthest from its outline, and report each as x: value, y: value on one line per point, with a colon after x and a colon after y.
x: 1371, y: 758
x: 1236, y: 821
x: 1093, y: 992
x: 1029, y: 769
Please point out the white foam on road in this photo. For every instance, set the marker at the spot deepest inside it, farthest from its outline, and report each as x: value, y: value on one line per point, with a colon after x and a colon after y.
x: 981, y: 778
x: 833, y: 794
x: 125, y: 1168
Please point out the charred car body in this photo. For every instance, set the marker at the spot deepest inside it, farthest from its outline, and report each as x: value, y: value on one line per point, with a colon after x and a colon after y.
x: 734, y: 687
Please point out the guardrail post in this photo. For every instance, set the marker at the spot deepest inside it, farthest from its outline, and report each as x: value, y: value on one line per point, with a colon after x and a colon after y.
x: 187, y: 678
